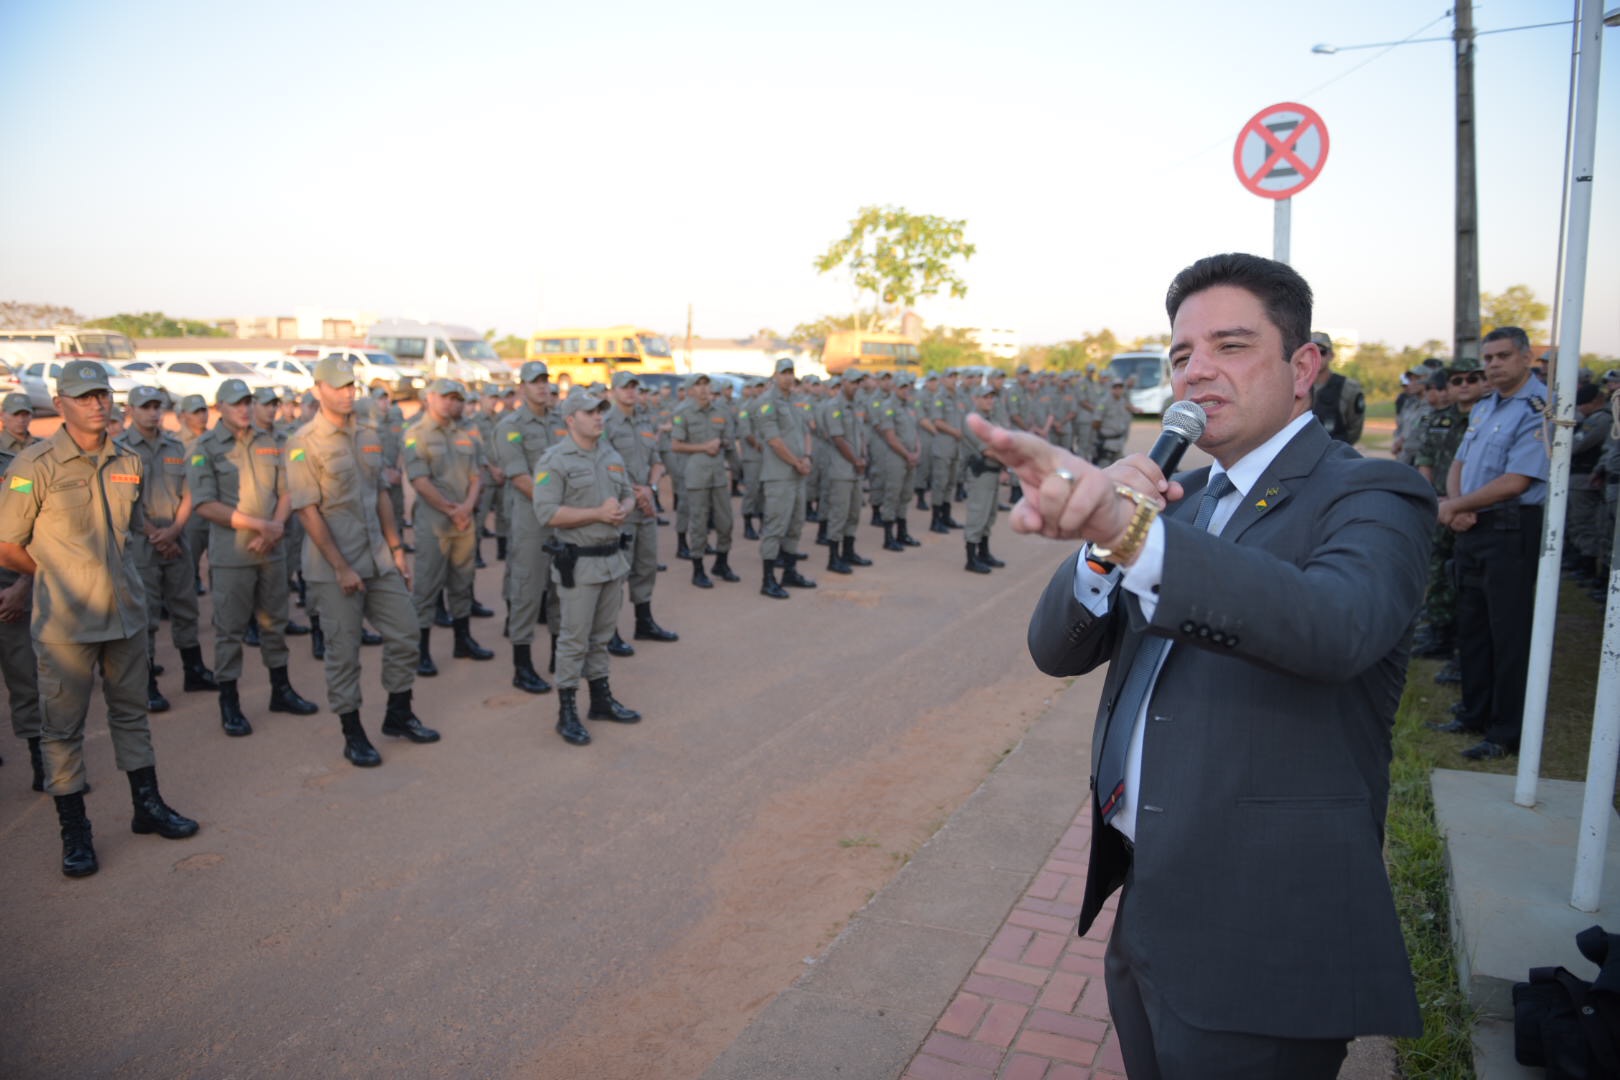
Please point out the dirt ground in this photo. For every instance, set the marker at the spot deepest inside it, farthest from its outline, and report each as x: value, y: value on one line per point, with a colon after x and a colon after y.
x: 501, y: 903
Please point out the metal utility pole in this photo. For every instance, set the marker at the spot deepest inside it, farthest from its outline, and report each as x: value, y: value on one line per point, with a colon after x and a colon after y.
x: 1466, y: 329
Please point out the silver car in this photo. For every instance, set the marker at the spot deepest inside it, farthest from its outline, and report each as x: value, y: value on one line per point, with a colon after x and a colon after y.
x: 39, y: 383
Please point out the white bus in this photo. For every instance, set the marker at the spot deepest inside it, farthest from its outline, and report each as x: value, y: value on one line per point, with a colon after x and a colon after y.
x: 1152, y: 390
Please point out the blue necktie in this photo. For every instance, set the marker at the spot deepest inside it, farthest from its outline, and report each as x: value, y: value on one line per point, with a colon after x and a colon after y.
x: 1139, y: 682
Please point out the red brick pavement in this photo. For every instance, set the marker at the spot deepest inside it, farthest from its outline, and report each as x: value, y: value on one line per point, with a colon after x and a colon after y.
x: 1033, y: 1007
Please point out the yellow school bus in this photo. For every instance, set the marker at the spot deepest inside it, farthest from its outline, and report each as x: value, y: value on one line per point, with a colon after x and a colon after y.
x: 870, y: 350
x: 593, y: 354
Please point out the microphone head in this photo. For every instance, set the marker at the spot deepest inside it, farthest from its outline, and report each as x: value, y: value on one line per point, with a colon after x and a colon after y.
x: 1187, y: 419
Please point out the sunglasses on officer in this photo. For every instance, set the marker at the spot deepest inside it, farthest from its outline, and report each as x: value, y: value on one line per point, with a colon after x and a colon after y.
x: 1470, y: 377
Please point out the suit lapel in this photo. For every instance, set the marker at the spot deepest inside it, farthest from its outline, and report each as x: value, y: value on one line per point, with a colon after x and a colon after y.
x: 1293, y: 463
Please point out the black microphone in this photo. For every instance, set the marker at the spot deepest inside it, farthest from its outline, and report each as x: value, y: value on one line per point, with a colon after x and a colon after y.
x: 1183, y: 425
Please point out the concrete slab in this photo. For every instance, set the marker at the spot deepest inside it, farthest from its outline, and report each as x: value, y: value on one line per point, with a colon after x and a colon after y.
x: 971, y: 899
x: 1493, y: 1054
x: 1510, y: 871
x: 808, y: 1036
x: 894, y: 965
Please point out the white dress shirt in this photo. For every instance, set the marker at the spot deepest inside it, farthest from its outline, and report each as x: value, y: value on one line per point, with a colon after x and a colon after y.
x: 1094, y: 591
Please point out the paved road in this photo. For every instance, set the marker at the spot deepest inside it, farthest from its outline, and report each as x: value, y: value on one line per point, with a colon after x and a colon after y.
x: 500, y: 903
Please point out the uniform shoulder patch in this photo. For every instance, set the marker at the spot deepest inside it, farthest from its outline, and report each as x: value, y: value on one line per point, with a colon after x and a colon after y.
x: 297, y: 454
x: 514, y: 436
x: 199, y: 459
x: 763, y: 409
x: 22, y: 484
x: 543, y: 476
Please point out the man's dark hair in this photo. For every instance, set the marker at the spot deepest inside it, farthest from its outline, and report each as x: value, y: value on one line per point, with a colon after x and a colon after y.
x: 1283, y: 294
x: 1520, y: 339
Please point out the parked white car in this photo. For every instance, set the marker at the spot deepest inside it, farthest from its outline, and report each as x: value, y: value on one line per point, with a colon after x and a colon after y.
x: 297, y: 375
x: 372, y: 367
x: 39, y: 383
x: 182, y: 377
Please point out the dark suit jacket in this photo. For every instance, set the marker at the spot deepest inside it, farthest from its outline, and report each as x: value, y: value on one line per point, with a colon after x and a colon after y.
x: 1259, y: 899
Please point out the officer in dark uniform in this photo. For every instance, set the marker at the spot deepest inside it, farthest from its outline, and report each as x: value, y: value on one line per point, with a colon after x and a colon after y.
x: 17, y: 661
x: 1336, y: 399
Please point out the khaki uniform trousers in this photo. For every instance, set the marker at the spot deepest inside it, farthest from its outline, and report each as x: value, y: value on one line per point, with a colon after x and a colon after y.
x: 589, y: 616
x: 676, y: 468
x: 242, y: 593
x: 1109, y: 450
x: 753, y: 503
x: 709, y: 505
x: 444, y: 563
x: 387, y: 605
x: 982, y: 492
x: 196, y: 534
x: 644, y: 557
x: 784, y: 517
x: 21, y: 672
x: 503, y: 519
x: 942, y: 486
x: 170, y: 583
x: 66, y: 671
x: 896, y: 487
x: 875, y: 480
x: 841, y: 509
x: 528, y: 573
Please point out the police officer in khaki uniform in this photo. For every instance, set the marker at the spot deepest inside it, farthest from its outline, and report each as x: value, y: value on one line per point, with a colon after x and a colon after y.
x: 266, y: 414
x: 354, y: 561
x: 785, y: 430
x: 749, y: 453
x: 1113, y: 424
x: 703, y: 430
x: 443, y: 460
x: 945, y: 410
x: 896, y: 452
x: 193, y: 414
x: 846, y: 464
x: 160, y: 548
x: 521, y: 437
x: 582, y: 492
x: 633, y: 432
x: 239, y: 485
x: 66, y: 511
x: 983, y: 485
x: 17, y: 663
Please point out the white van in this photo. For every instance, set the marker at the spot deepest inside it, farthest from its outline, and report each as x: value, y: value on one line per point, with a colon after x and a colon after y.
x: 1152, y: 392
x: 441, y: 349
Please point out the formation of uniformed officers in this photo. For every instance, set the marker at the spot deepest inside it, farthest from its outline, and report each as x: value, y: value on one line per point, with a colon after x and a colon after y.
x: 300, y: 502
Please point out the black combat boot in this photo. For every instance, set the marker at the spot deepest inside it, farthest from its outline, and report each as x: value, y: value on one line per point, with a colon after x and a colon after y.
x: 424, y: 661
x: 500, y: 548
x: 303, y: 590
x: 198, y: 677
x: 851, y: 557
x: 749, y: 532
x: 975, y: 565
x: 877, y: 515
x: 681, y: 550
x: 231, y: 717
x: 317, y: 638
x: 155, y: 701
x: 821, y: 533
x: 770, y: 587
x: 647, y: 629
x: 937, y: 525
x: 295, y: 629
x: 902, y: 533
x: 465, y: 647
x: 152, y: 814
x: 401, y: 723
x: 699, y: 577
x: 36, y: 761
x: 78, y: 854
x: 357, y: 749
x: 479, y: 611
x: 441, y: 614
x: 568, y: 725
x: 790, y: 573
x: 961, y: 495
x: 283, y: 698
x: 250, y: 636
x: 524, y: 677
x: 988, y: 559
x: 617, y: 646
x: 367, y: 637
x: 722, y: 568
x: 603, y: 707
x: 478, y: 551
x: 922, y: 501
x: 950, y: 522
x: 889, y: 541
x: 835, y: 565
x: 551, y: 665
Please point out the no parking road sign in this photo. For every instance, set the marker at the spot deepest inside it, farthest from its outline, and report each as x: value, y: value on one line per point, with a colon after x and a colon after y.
x: 1281, y: 150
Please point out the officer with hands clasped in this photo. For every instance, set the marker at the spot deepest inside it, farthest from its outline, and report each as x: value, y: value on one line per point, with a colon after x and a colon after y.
x: 582, y: 493
x: 68, y: 506
x: 521, y: 437
x: 354, y: 560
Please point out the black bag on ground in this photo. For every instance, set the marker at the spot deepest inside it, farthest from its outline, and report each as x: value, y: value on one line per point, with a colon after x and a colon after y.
x: 1568, y: 1025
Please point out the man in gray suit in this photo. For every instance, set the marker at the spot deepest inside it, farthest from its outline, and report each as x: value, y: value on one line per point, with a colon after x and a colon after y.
x: 1255, y: 618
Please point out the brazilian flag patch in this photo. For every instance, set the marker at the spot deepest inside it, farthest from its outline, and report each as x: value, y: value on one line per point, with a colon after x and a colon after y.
x: 199, y: 459
x: 22, y: 484
x: 764, y: 409
x: 410, y: 443
x: 514, y: 436
x: 542, y: 477
x: 297, y: 455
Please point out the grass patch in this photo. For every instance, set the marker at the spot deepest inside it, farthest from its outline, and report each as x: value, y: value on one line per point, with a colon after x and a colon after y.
x: 858, y: 841
x: 1416, y: 852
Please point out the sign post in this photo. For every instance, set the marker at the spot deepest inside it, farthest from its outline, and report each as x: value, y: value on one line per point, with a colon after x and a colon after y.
x: 1279, y: 152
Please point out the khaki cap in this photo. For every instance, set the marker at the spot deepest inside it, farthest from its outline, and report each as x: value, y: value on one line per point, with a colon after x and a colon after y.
x: 695, y: 378
x: 267, y: 395
x: 16, y: 403
x: 192, y: 403
x: 446, y: 387
x: 335, y: 371
x: 784, y: 363
x: 582, y: 401
x: 80, y: 377
x: 231, y: 392
x: 145, y: 395
x: 532, y: 370
x: 624, y: 378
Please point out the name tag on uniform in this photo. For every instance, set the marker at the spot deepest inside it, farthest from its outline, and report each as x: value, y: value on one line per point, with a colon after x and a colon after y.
x: 464, y: 442
x: 174, y: 461
x: 123, y: 478
x: 267, y: 451
x: 367, y: 449
x: 615, y: 468
x: 717, y: 420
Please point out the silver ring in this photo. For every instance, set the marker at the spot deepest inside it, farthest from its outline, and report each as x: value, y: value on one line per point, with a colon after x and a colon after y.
x: 1066, y: 476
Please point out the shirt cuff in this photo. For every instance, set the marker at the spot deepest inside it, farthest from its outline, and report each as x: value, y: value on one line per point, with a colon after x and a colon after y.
x: 1143, y: 576
x: 1092, y: 590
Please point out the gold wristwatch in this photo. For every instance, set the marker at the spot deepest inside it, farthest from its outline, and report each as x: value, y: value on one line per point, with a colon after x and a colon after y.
x: 1136, y: 532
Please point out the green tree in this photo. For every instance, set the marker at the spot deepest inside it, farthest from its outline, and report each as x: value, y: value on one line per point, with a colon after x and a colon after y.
x: 1514, y: 306
x: 948, y: 346
x: 21, y: 315
x: 898, y: 257
x: 510, y: 347
x: 155, y: 324
x: 815, y: 333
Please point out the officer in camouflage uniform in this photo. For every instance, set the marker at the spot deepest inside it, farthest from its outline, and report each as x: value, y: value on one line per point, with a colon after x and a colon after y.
x: 17, y: 662
x: 159, y: 548
x: 354, y: 562
x: 66, y: 511
x: 238, y: 484
x: 632, y: 431
x: 1439, y: 435
x: 583, y: 493
x: 785, y: 430
x: 443, y: 460
x: 983, y: 484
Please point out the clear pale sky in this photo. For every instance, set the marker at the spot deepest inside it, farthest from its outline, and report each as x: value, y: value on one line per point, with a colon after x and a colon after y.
x: 528, y: 164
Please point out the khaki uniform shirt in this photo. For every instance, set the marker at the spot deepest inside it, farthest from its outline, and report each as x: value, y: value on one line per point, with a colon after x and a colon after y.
x: 568, y: 475
x: 779, y: 418
x: 839, y: 419
x: 11, y: 446
x: 164, y: 485
x: 337, y: 470
x: 1115, y: 416
x: 520, y: 439
x: 943, y: 407
x: 695, y: 425
x: 73, y: 512
x: 243, y: 474
x: 747, y: 424
x: 636, y: 439
x: 9, y: 449
x: 449, y: 456
x: 899, y: 417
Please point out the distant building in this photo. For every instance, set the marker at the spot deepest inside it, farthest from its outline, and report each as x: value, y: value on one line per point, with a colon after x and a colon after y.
x: 744, y: 356
x: 997, y: 344
x: 304, y: 324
